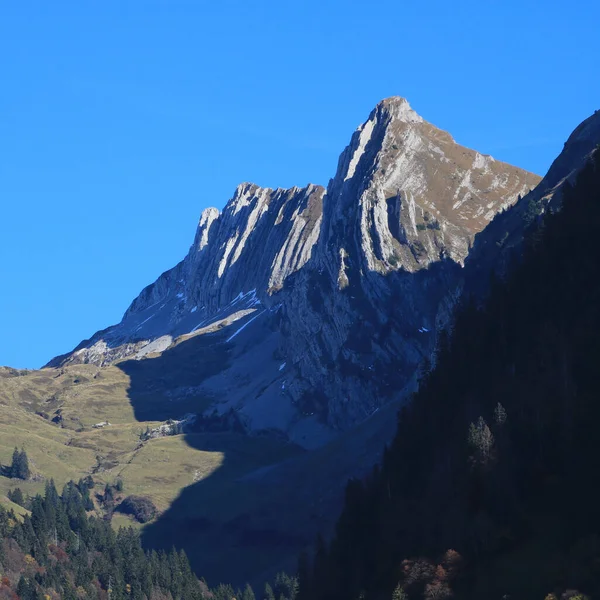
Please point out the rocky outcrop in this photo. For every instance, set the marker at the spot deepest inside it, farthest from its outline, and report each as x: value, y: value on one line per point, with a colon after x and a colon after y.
x: 350, y: 284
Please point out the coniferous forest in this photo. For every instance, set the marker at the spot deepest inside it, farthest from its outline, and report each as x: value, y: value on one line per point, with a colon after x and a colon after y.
x: 57, y: 551
x: 491, y: 486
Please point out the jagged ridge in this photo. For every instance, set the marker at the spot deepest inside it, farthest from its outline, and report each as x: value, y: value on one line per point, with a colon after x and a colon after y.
x: 317, y: 264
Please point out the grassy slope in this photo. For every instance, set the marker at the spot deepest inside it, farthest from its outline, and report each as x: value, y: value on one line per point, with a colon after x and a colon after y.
x: 159, y: 468
x: 220, y: 499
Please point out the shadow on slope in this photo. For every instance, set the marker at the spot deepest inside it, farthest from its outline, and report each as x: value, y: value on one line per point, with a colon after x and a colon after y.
x: 268, y: 498
x: 221, y: 522
x: 167, y: 385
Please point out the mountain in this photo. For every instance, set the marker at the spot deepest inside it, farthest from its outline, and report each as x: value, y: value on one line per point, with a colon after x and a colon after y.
x: 490, y: 487
x: 277, y: 284
x: 281, y: 348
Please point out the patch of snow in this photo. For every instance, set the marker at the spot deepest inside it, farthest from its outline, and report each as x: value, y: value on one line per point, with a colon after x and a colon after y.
x: 201, y: 324
x: 180, y: 295
x: 140, y: 325
x: 245, y: 325
x: 282, y: 366
x: 249, y: 297
x: 194, y: 309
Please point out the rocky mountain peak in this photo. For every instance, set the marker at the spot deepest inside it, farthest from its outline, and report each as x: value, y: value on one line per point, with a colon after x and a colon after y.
x: 298, y: 270
x: 413, y: 192
x: 207, y: 218
x: 398, y: 108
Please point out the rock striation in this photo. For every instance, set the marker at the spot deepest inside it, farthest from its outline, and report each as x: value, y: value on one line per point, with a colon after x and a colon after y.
x: 342, y: 290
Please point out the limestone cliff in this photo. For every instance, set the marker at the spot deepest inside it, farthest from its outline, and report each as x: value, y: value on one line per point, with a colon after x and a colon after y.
x: 339, y: 292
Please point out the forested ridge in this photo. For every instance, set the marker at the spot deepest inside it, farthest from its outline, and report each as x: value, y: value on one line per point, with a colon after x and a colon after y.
x: 491, y: 486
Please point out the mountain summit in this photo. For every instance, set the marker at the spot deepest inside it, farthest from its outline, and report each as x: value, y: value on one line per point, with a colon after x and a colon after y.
x: 321, y: 302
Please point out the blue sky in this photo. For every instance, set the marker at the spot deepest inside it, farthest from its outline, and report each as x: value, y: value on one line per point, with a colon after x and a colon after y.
x: 122, y: 120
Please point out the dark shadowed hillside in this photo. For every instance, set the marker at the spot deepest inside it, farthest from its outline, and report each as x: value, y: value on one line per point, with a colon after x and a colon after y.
x: 490, y: 488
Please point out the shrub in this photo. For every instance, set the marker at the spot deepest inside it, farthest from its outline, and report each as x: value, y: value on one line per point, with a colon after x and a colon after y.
x: 140, y: 507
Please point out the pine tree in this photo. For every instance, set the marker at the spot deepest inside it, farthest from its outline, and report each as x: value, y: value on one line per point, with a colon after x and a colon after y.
x: 399, y: 593
x: 19, y: 468
x: 248, y: 593
x: 269, y: 594
x: 481, y: 441
x: 500, y: 414
x: 16, y: 496
x: 14, y: 463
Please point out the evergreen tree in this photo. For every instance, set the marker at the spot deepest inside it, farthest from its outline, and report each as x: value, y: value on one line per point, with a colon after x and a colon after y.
x: 16, y: 496
x: 269, y: 594
x: 399, y: 593
x: 19, y: 468
x: 481, y: 441
x: 500, y: 414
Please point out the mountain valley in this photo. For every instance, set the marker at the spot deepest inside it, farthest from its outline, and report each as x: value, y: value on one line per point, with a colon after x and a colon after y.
x: 245, y: 386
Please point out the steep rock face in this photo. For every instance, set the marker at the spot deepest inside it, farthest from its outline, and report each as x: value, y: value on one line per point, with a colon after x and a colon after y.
x: 399, y: 219
x: 262, y: 236
x: 239, y: 257
x: 350, y: 284
x: 411, y: 195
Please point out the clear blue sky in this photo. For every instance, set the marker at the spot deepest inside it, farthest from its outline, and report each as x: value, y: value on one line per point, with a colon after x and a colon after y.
x: 121, y: 120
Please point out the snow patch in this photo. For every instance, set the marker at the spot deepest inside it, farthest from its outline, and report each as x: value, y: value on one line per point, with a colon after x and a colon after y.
x: 245, y: 325
x: 140, y: 325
